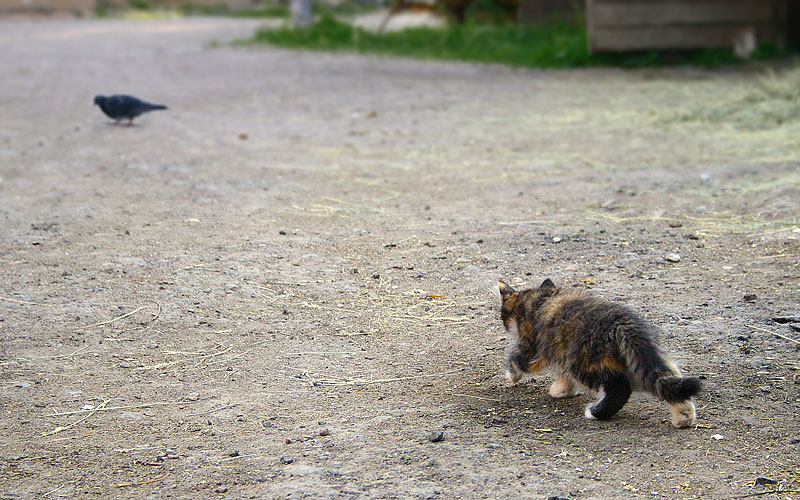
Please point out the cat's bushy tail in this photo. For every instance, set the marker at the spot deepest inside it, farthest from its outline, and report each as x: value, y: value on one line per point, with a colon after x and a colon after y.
x: 675, y: 389
x: 655, y: 372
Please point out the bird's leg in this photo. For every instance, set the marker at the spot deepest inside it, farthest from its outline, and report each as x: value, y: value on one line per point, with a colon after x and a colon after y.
x: 130, y: 122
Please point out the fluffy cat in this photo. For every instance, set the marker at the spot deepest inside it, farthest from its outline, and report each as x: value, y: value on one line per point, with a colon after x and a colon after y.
x: 590, y: 342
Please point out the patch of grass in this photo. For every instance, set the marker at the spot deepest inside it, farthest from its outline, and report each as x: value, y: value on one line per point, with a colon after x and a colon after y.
x: 555, y: 45
x: 560, y: 43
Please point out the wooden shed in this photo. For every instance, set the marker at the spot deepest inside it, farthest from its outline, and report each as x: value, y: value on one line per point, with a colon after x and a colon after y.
x: 628, y: 25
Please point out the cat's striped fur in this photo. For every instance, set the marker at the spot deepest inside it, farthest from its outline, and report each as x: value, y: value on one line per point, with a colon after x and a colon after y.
x: 590, y: 342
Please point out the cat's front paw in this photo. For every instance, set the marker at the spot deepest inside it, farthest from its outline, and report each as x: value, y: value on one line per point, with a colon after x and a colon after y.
x: 513, y: 377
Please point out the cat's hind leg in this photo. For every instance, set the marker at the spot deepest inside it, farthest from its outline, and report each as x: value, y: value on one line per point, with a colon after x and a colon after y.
x: 682, y: 413
x: 611, y: 397
x: 562, y: 387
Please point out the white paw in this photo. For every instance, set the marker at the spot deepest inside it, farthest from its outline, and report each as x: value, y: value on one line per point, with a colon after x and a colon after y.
x: 588, y: 413
x: 512, y: 377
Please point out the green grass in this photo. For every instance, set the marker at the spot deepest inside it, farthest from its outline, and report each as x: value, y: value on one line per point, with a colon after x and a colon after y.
x: 556, y: 44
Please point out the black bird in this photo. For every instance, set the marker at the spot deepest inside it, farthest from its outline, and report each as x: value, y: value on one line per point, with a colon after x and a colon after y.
x: 118, y: 107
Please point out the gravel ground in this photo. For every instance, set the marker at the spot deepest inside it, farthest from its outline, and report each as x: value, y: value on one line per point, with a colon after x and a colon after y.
x: 283, y: 286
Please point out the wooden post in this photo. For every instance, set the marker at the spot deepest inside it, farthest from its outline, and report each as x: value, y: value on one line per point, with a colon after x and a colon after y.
x: 301, y: 12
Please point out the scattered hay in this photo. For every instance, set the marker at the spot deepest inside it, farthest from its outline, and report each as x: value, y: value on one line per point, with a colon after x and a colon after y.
x: 714, y: 224
x: 79, y: 352
x: 769, y: 102
x: 104, y: 408
x: 328, y: 207
x: 91, y: 412
x: 327, y: 380
x: 203, y: 359
x: 131, y: 313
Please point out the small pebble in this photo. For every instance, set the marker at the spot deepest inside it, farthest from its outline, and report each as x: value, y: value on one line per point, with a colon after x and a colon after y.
x: 750, y: 297
x: 286, y: 459
x: 221, y: 489
x: 672, y: 257
x: 234, y: 453
x: 763, y: 481
x: 795, y: 441
x: 499, y: 420
x: 556, y: 239
x: 324, y: 431
x: 766, y: 388
x: 436, y: 436
x: 786, y: 319
x: 193, y: 396
x: 124, y: 364
x: 718, y: 437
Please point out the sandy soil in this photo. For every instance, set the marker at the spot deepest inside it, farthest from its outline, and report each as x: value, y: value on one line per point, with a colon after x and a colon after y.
x: 282, y: 287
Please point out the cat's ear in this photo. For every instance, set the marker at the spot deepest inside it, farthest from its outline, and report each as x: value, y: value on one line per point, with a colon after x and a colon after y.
x: 505, y: 289
x: 548, y: 283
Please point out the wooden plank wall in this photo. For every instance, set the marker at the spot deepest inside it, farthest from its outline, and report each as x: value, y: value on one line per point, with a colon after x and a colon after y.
x: 626, y: 25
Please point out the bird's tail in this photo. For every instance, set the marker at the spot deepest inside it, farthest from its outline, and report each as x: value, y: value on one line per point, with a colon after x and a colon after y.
x: 154, y: 107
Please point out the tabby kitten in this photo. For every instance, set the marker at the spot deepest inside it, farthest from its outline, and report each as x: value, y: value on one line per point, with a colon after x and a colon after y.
x: 593, y: 343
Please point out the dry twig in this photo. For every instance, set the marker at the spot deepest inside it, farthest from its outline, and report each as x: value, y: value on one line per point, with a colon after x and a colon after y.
x: 28, y: 302
x: 65, y: 427
x: 774, y: 333
x: 315, y: 381
x: 125, y: 407
x: 108, y: 322
x: 139, y: 483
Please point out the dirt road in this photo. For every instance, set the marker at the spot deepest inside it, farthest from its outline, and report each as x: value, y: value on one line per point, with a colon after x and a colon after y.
x: 282, y: 287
